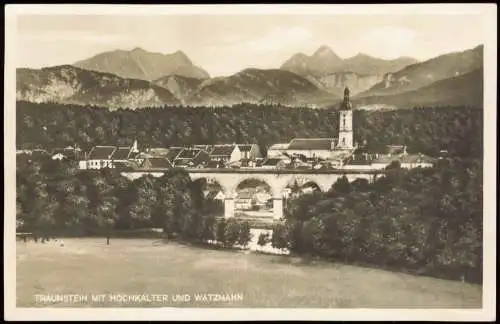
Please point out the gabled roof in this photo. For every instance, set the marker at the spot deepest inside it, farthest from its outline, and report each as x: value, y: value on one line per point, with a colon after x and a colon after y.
x: 312, y: 144
x: 188, y: 153
x: 156, y: 163
x: 222, y: 150
x: 122, y: 153
x: 212, y: 194
x: 205, y: 147
x: 173, y: 152
x: 272, y: 161
x: 101, y: 153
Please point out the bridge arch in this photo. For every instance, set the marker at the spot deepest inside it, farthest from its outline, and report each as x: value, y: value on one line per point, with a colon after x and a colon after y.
x: 302, y: 180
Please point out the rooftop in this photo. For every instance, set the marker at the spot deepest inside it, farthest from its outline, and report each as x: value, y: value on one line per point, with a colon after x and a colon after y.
x: 222, y: 150
x: 173, y: 152
x: 188, y: 153
x: 272, y: 161
x: 408, y: 158
x: 156, y: 163
x: 122, y: 153
x: 312, y: 144
x: 101, y: 152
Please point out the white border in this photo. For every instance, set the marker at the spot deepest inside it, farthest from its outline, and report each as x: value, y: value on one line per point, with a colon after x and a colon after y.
x: 487, y: 313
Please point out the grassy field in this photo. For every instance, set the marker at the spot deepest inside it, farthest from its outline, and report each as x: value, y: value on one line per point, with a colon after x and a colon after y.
x: 146, y: 266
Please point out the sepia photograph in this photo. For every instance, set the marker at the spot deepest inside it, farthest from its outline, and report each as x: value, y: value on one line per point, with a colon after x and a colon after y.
x: 250, y: 162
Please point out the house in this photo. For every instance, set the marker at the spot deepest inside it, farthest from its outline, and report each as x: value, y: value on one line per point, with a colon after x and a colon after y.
x: 407, y: 161
x: 59, y: 156
x: 173, y: 153
x: 155, y: 163
x: 312, y: 147
x: 249, y: 151
x: 213, y: 164
x: 214, y: 195
x: 99, y: 157
x: 225, y: 153
x: 274, y: 163
x: 244, y: 200
x: 191, y: 157
x: 157, y: 151
x: 277, y: 150
x: 395, y: 149
x: 34, y: 152
x: 69, y: 152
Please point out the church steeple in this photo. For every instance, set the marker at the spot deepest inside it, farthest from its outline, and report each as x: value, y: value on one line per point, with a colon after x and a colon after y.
x: 346, y: 104
x: 345, y: 127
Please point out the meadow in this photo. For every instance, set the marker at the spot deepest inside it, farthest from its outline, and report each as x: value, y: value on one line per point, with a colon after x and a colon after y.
x: 88, y: 266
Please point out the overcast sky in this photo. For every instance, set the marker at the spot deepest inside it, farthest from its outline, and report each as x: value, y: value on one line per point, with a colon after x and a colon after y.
x: 223, y: 45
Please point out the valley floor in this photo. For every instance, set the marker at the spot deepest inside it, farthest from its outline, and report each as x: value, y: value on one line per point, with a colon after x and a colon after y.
x: 87, y: 266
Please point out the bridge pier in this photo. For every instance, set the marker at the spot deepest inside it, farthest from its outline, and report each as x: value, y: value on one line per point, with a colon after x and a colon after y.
x: 277, y: 208
x: 228, y: 207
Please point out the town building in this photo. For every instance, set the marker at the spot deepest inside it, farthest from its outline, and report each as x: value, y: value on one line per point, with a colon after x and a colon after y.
x: 330, y: 149
x: 225, y: 153
x: 59, y: 156
x: 277, y: 150
x: 152, y: 163
x: 217, y: 195
x: 191, y: 158
x: 244, y: 200
x: 274, y: 163
x: 249, y: 151
x: 101, y: 157
x: 346, y: 138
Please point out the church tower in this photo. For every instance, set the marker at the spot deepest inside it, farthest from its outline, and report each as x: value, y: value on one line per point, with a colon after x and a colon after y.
x: 345, y: 128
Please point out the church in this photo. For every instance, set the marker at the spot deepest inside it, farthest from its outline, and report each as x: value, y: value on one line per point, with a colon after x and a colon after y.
x: 332, y: 149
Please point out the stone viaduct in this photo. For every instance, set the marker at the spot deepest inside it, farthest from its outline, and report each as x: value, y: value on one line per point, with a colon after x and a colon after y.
x: 278, y: 180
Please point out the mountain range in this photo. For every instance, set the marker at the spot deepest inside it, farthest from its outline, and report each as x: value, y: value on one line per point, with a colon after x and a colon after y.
x: 331, y: 73
x: 140, y: 64
x: 137, y: 78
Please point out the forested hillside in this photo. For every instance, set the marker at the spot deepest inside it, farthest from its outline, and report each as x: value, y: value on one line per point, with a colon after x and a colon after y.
x: 425, y: 220
x: 425, y: 130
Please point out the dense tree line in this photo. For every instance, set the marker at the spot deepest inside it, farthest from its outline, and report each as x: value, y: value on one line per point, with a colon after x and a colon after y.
x: 424, y: 220
x: 54, y: 199
x: 426, y: 130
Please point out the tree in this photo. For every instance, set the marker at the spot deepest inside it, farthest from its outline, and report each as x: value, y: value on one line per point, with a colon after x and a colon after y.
x: 279, y: 238
x: 145, y: 199
x: 221, y: 231
x: 232, y: 232
x: 245, y: 235
x: 263, y: 239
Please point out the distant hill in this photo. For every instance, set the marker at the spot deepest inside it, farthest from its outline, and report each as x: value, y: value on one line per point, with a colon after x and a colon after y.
x: 422, y: 74
x: 261, y: 86
x: 140, y: 64
x: 72, y: 85
x: 332, y: 73
x: 465, y: 89
x: 181, y: 87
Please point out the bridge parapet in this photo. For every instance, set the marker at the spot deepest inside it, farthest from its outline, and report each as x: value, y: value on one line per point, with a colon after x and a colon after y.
x: 278, y: 180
